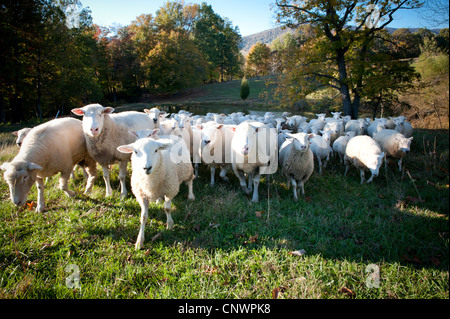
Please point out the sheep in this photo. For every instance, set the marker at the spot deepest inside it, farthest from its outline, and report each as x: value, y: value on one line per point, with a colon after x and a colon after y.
x: 340, y: 144
x: 375, y: 127
x: 320, y: 146
x: 296, y: 161
x: 365, y: 154
x: 356, y: 126
x: 156, y: 115
x: 50, y: 148
x: 393, y: 144
x: 21, y: 134
x: 158, y: 169
x: 104, y: 132
x: 336, y: 128
x: 214, y: 148
x: 254, y: 152
x: 403, y: 126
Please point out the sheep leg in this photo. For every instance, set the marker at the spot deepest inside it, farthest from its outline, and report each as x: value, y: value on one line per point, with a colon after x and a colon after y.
x: 91, y: 176
x: 144, y: 216
x: 223, y: 173
x: 400, y: 165
x: 213, y: 173
x: 320, y: 165
x: 168, y: 211
x: 242, y: 181
x: 302, y: 186
x: 361, y: 173
x: 256, y: 180
x: 190, y: 184
x: 106, y: 179
x: 250, y: 182
x: 63, y: 184
x: 40, y: 195
x: 122, y: 179
x: 294, y: 186
x: 346, y: 170
x: 196, y: 170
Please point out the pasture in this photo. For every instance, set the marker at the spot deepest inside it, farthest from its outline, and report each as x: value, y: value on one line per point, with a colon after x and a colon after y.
x: 388, y: 239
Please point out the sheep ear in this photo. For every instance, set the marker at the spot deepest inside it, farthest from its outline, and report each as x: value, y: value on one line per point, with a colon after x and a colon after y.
x: 127, y: 149
x: 5, y: 166
x: 131, y: 132
x: 16, y: 133
x: 78, y: 111
x: 232, y: 128
x: 411, y: 138
x: 219, y: 126
x: 146, y: 111
x: 164, y: 143
x: 33, y: 166
x: 108, y: 110
x: 154, y: 132
x: 310, y: 136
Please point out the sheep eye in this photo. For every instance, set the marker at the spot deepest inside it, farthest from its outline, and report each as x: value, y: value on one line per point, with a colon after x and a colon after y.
x: 156, y: 150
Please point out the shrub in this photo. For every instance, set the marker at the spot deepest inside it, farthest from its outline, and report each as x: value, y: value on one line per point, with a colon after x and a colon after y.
x: 245, y: 89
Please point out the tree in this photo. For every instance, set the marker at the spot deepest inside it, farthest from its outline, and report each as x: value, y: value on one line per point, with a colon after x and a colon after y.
x: 219, y: 43
x: 245, y: 89
x: 345, y: 28
x: 259, y: 60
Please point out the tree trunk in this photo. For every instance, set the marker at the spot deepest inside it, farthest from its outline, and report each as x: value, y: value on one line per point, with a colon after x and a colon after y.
x: 38, y: 87
x: 345, y: 92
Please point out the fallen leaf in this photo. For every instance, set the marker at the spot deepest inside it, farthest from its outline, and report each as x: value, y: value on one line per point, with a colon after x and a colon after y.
x: 213, y: 225
x: 277, y: 291
x: 413, y: 200
x: 308, y: 199
x: 381, y: 196
x: 300, y: 252
x: 259, y: 213
x: 435, y: 261
x: 31, y: 205
x: 347, y: 292
x: 251, y: 240
x: 156, y: 236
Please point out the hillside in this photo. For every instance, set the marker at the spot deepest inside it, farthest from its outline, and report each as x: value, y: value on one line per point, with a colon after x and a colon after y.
x: 269, y: 35
x: 266, y: 37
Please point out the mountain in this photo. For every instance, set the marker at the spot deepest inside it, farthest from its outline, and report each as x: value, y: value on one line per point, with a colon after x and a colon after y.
x: 269, y: 35
x: 266, y: 37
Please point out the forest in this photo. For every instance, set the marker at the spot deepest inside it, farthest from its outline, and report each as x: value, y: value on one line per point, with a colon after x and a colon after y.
x: 55, y: 58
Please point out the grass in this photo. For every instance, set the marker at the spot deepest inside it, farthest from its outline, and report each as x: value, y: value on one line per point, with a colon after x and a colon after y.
x: 224, y: 246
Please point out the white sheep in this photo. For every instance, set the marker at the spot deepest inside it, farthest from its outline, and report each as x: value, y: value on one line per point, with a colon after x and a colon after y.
x: 340, y: 144
x: 403, y: 126
x: 254, y: 151
x: 365, y: 154
x: 105, y: 131
x: 356, y: 126
x: 156, y: 115
x: 296, y: 161
x: 320, y: 146
x: 376, y: 126
x: 21, y: 134
x: 50, y: 148
x: 158, y: 169
x: 214, y: 148
x: 336, y: 127
x: 394, y: 144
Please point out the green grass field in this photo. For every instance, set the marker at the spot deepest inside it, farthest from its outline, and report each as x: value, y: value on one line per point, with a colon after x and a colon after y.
x: 387, y: 240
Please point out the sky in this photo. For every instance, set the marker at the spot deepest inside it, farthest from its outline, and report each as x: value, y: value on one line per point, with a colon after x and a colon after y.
x: 251, y: 16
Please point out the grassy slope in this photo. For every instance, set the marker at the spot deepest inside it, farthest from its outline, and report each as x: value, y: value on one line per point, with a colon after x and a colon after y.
x: 223, y: 246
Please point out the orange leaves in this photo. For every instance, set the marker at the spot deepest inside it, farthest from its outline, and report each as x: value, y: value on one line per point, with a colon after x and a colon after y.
x: 349, y: 293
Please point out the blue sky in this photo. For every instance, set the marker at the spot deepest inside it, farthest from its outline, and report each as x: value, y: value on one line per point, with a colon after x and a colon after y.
x: 251, y: 16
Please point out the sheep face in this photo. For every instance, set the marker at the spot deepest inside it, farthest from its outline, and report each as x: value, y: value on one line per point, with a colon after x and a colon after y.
x: 154, y: 114
x: 300, y: 141
x: 20, y: 176
x: 404, y: 144
x: 93, y: 118
x: 146, y: 154
x: 374, y: 162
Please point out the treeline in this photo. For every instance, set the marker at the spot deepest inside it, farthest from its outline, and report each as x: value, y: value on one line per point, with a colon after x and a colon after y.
x: 300, y: 61
x: 54, y: 58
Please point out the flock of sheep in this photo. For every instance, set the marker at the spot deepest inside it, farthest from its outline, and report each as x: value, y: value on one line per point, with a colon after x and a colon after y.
x: 166, y: 151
